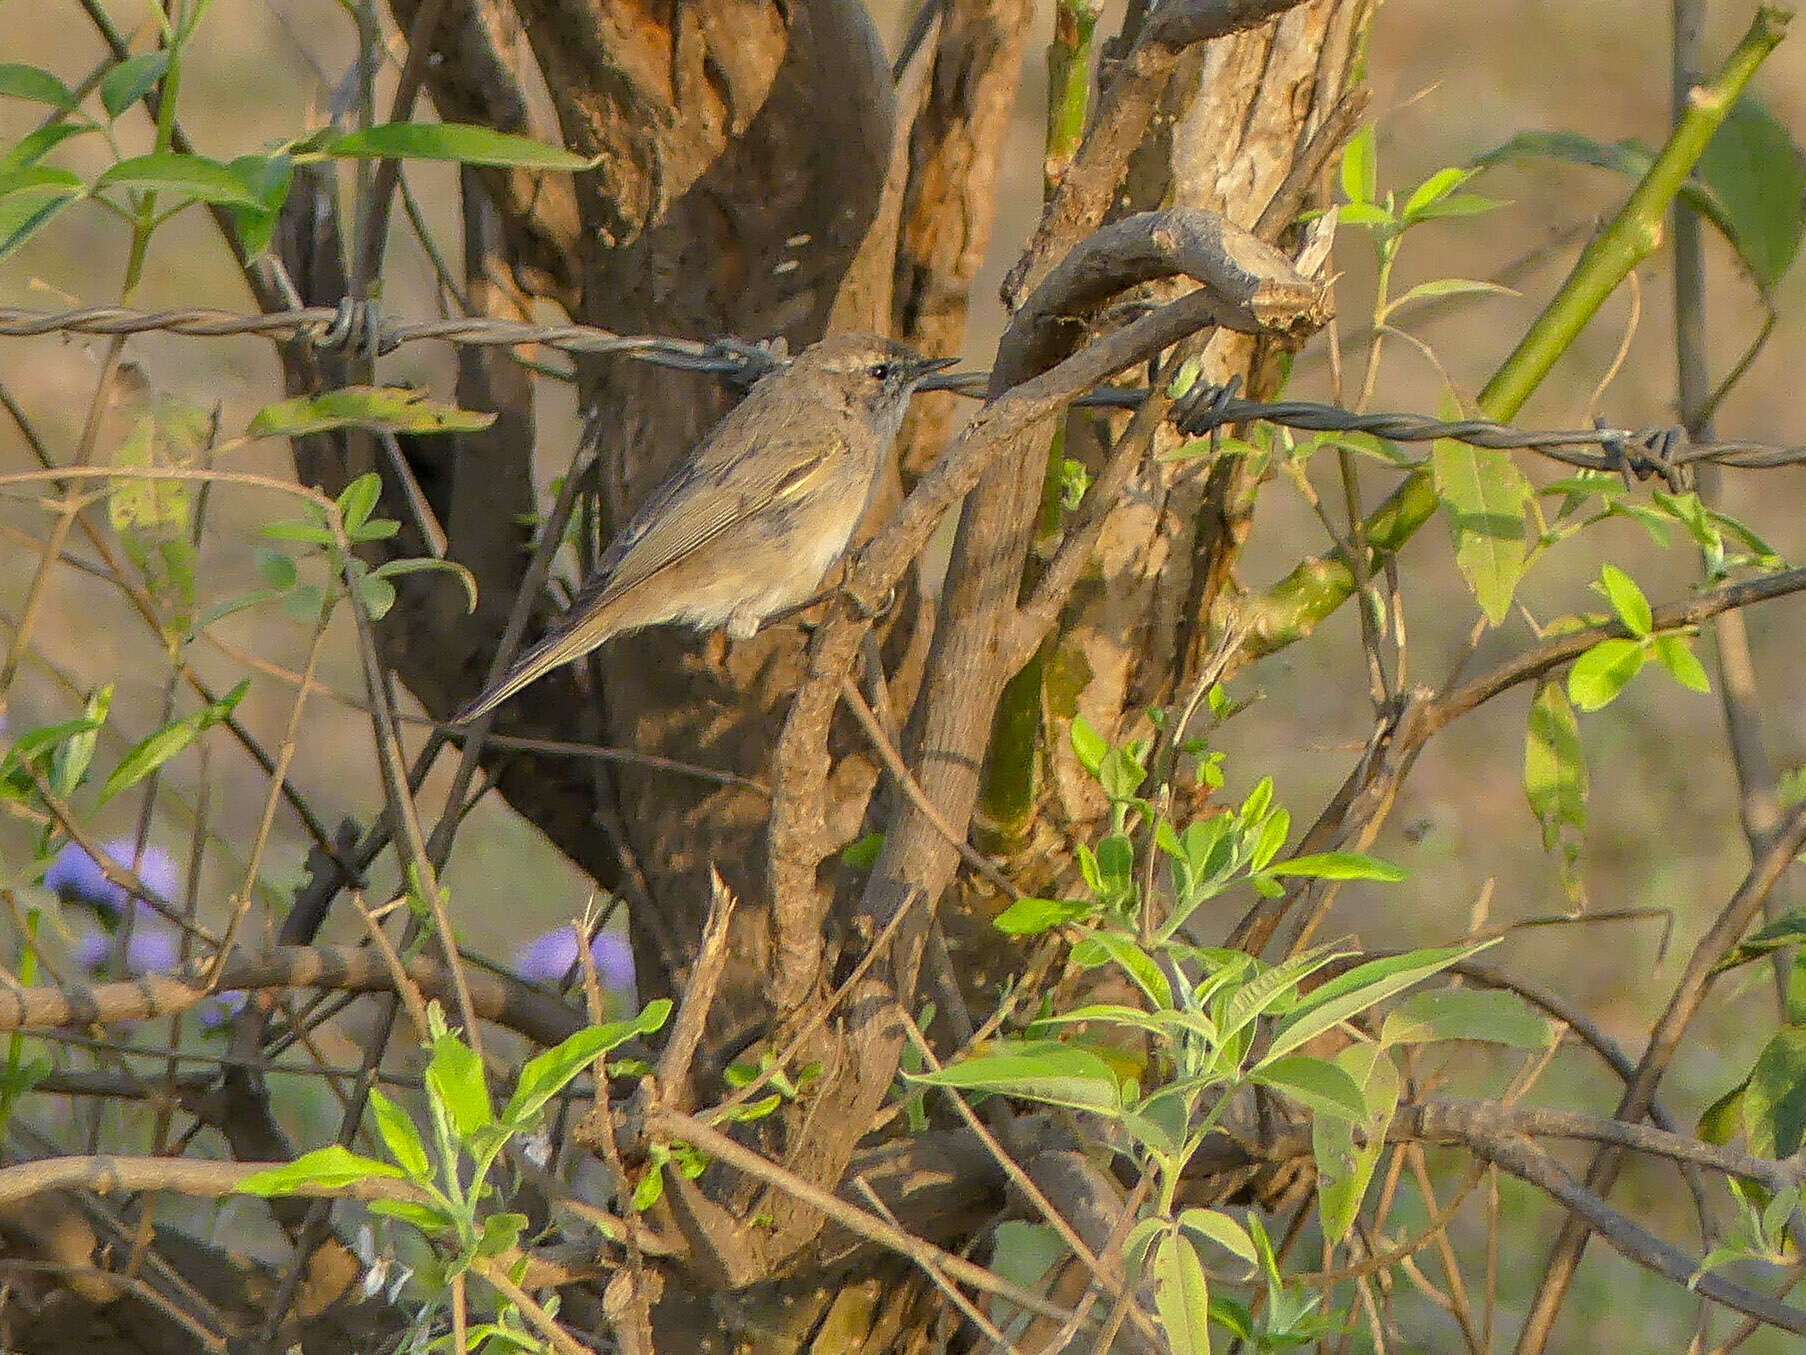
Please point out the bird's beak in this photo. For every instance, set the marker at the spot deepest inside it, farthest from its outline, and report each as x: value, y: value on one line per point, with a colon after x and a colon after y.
x: 926, y: 367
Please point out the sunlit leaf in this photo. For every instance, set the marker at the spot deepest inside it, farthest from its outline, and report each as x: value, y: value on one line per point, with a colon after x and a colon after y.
x: 392, y: 409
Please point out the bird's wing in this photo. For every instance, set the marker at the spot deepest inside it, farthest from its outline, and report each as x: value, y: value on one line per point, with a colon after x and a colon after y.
x: 684, y: 515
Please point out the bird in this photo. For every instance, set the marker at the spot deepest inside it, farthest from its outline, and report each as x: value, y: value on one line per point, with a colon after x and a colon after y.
x: 752, y: 520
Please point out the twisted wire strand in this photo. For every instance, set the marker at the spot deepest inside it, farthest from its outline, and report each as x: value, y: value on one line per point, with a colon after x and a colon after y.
x: 1661, y: 452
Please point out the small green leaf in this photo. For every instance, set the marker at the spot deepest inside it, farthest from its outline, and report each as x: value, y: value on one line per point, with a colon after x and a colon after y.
x: 19, y: 81
x: 400, y: 1137
x: 1357, y: 990
x: 454, y: 1077
x: 1677, y: 656
x: 1774, y: 1103
x: 278, y: 568
x: 1627, y: 600
x: 390, y: 569
x: 383, y: 408
x: 30, y: 198
x: 549, y: 1073
x: 1341, y: 866
x: 862, y: 852
x: 168, y: 741
x: 464, y: 143
x: 1489, y: 1015
x: 1360, y: 169
x: 1344, y: 1169
x: 324, y: 1169
x: 500, y: 1233
x: 377, y: 595
x: 1555, y: 776
x: 70, y: 761
x: 1315, y: 1083
x: 268, y: 177
x: 188, y: 176
x: 1088, y: 745
x: 1603, y: 671
x: 1756, y: 174
x: 1031, y: 917
x: 1441, y: 287
x: 131, y: 80
x: 1365, y: 214
x: 1223, y: 1229
x: 1485, y: 496
x: 34, y: 146
x: 1435, y: 188
x: 359, y: 500
x: 1181, y: 1295
x: 1055, y: 1074
x: 428, y: 1220
x: 298, y: 529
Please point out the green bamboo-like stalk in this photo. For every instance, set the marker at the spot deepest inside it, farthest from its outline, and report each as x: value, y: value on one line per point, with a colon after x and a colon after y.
x: 1293, y: 607
x: 1008, y: 791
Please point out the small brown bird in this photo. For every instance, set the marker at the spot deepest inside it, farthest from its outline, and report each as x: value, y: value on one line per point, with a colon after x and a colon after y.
x: 752, y: 520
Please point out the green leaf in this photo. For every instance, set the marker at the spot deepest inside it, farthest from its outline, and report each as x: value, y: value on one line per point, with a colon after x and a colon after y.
x: 1031, y: 917
x: 1272, y: 986
x: 1429, y: 291
x: 298, y: 529
x: 390, y: 569
x: 1785, y: 931
x: 268, y: 177
x: 34, y: 146
x: 862, y: 852
x: 1603, y: 671
x: 1360, y: 988
x: 1677, y: 656
x: 1088, y: 745
x: 1344, y: 1169
x: 1315, y: 1083
x: 1130, y: 958
x: 461, y: 142
x: 1755, y: 172
x: 19, y: 81
x: 70, y: 761
x: 394, y: 409
x: 500, y: 1232
x: 1181, y: 1295
x: 173, y: 738
x: 400, y: 1137
x: 1360, y: 169
x: 549, y: 1073
x: 30, y: 198
x: 1054, y: 1074
x: 324, y: 1169
x: 188, y: 176
x: 1626, y: 157
x: 1341, y: 866
x: 1434, y: 189
x: 428, y: 1220
x: 131, y: 80
x: 1627, y: 600
x: 1220, y: 1228
x: 1555, y: 776
x: 454, y: 1077
x: 377, y: 595
x: 359, y: 499
x: 278, y: 569
x: 1490, y: 1015
x: 1485, y: 496
x: 1365, y: 214
x: 1774, y: 1103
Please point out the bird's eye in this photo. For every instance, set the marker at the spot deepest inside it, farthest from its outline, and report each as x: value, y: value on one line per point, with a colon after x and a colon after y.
x: 881, y: 371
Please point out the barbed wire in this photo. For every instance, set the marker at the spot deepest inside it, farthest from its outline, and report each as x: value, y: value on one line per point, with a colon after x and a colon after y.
x: 1664, y: 452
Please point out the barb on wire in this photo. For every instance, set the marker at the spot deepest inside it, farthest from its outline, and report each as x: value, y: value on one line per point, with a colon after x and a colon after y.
x: 1666, y: 452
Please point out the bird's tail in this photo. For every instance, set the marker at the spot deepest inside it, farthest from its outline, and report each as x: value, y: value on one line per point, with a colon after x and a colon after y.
x: 560, y: 647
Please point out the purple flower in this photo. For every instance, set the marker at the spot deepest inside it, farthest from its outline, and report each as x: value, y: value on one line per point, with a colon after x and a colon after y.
x: 548, y: 957
x: 76, y: 875
x: 151, y: 949
x: 222, y: 1009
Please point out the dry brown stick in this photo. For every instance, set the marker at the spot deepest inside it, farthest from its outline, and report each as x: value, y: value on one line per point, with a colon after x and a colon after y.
x: 698, y: 997
x: 504, y: 1001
